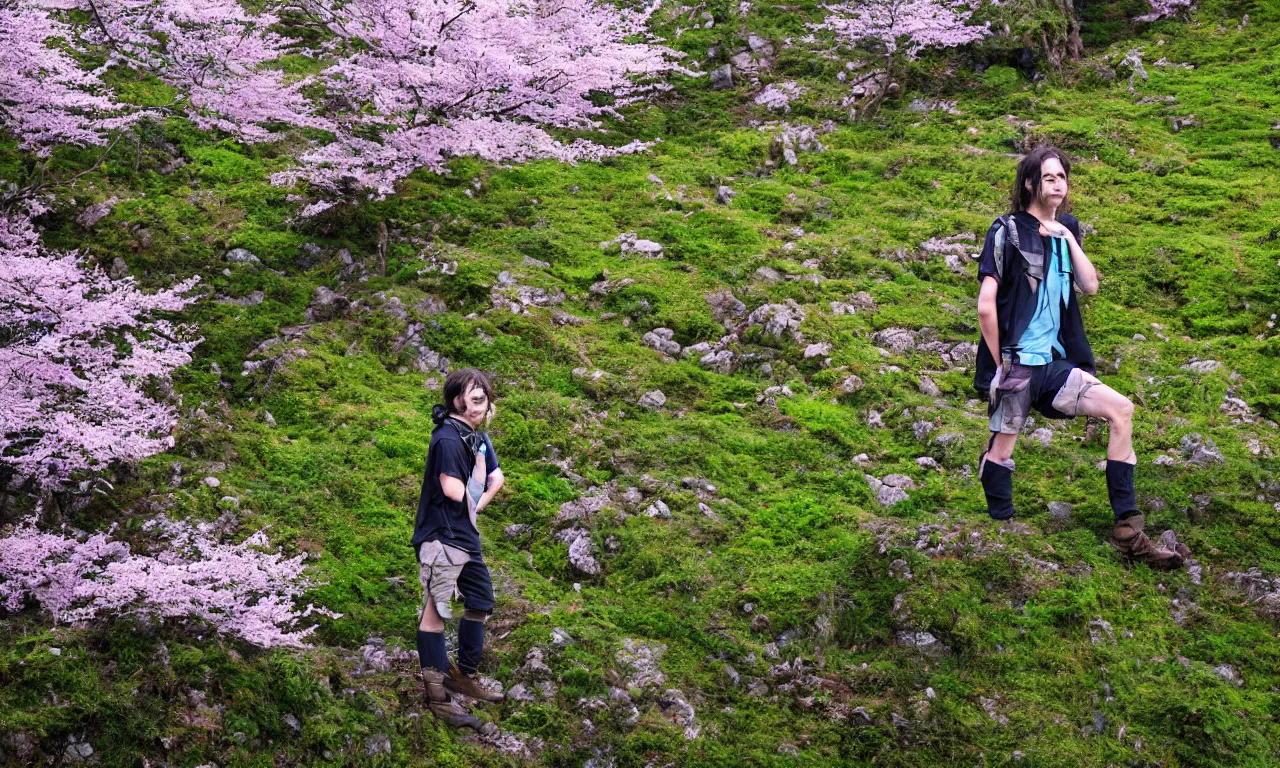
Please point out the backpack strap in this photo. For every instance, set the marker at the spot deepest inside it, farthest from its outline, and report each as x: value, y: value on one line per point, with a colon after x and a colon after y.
x: 1007, y: 225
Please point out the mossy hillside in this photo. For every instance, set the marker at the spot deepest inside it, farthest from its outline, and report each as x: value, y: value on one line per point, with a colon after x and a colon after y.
x: 1183, y: 238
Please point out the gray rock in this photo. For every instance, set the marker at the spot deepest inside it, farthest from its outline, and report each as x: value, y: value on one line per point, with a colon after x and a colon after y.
x: 721, y: 361
x: 897, y: 340
x: 1100, y: 632
x: 889, y: 495
x: 582, y: 557
x: 212, y: 482
x: 1043, y: 436
x: 1060, y: 510
x: 377, y: 744
x: 722, y: 77
x: 658, y: 508
x: 119, y: 269
x: 726, y: 309
x: 652, y: 400
x: 326, y: 305
x: 768, y: 274
x: 516, y: 530
x: 95, y: 213
x: 921, y: 429
x: 241, y: 256
x: 661, y: 339
x: 929, y: 388
x: 1202, y: 366
x: 820, y: 349
x: 1228, y: 673
x: 924, y: 642
x: 989, y: 706
x: 778, y: 319
x: 724, y: 195
x: 850, y: 385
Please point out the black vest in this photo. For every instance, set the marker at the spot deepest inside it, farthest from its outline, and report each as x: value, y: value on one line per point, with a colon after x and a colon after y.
x: 1021, y: 259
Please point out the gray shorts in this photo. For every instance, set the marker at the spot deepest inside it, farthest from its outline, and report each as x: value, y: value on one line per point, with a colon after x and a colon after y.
x: 1054, y: 390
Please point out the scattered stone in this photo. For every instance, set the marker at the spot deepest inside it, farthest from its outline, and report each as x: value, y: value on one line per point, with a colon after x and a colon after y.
x: 921, y: 429
x: 1060, y: 510
x: 326, y: 305
x: 850, y: 385
x: 1176, y: 124
x: 212, y: 482
x: 658, y: 508
x: 1043, y: 436
x: 724, y: 195
x: 722, y: 77
x: 119, y: 270
x: 1100, y: 631
x: 1199, y: 451
x: 1228, y: 673
x: 516, y: 530
x: 726, y: 309
x: 241, y: 256
x: 928, y: 462
x: 581, y: 555
x: 674, y: 704
x: 897, y: 340
x: 639, y: 662
x: 652, y: 400
x: 989, y: 706
x: 768, y: 274
x: 929, y: 388
x: 529, y: 261
x: 778, y: 319
x: 820, y: 349
x: 662, y: 339
x: 627, y: 243
x: 924, y: 642
x: 89, y: 218
x: 377, y: 744
x: 899, y: 569
x: 1202, y: 366
x: 721, y: 361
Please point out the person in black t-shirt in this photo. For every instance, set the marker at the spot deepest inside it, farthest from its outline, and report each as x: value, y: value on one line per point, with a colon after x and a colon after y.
x: 462, y: 476
x: 1034, y: 353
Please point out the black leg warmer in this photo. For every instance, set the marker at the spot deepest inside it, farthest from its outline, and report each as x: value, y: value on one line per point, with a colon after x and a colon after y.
x: 997, y: 483
x: 1124, y: 502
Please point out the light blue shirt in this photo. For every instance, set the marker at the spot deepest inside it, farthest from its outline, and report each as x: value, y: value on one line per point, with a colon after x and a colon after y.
x: 1040, y: 340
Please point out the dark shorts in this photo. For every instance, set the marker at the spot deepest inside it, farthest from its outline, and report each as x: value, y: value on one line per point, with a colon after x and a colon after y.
x: 475, y: 585
x: 1053, y: 390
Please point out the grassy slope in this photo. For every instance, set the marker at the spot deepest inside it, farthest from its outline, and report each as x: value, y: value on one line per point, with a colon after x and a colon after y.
x: 1185, y: 238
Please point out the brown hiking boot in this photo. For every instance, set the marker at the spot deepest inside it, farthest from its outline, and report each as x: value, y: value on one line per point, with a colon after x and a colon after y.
x: 1134, y: 545
x: 442, y: 707
x: 461, y: 683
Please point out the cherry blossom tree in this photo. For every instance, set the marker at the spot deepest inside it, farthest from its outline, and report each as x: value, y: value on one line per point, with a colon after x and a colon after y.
x: 898, y: 30
x: 77, y: 354
x: 243, y: 590
x: 213, y: 53
x: 419, y: 81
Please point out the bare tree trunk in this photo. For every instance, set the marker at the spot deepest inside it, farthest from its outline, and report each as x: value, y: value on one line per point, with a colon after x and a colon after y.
x: 382, y: 248
x: 1074, y: 46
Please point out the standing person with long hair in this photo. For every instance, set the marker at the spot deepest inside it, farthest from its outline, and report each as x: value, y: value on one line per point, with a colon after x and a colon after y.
x: 1034, y: 353
x: 462, y: 476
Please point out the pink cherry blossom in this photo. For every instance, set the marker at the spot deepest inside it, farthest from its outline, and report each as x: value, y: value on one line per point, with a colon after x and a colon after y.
x: 909, y: 26
x: 79, y: 352
x: 416, y: 82
x: 243, y: 590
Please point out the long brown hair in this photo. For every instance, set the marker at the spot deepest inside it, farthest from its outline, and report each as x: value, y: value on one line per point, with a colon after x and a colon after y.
x: 1029, y: 172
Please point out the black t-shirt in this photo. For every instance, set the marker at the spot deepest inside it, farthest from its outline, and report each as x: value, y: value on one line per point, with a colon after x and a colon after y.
x: 440, y: 518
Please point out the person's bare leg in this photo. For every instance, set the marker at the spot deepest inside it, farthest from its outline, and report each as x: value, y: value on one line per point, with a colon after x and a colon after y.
x: 431, y: 621
x: 1002, y: 449
x: 1128, y: 537
x: 1103, y: 402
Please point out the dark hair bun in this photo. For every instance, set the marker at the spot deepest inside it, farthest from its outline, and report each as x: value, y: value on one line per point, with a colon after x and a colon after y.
x: 439, y: 413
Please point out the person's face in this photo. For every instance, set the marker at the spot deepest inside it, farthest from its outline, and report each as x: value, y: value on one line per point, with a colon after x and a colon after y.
x: 473, y: 406
x: 1053, y: 183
